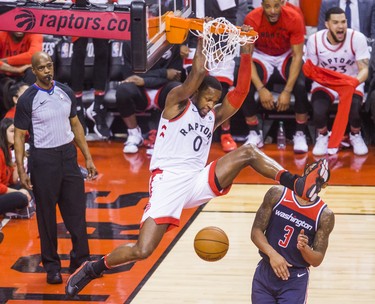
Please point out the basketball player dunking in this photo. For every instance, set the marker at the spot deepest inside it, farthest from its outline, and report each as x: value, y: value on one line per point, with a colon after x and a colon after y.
x: 180, y: 177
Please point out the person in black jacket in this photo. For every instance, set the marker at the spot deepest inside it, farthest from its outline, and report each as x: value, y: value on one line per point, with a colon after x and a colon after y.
x: 141, y: 92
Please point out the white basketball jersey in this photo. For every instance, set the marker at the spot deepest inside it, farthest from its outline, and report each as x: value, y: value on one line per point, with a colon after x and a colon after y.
x: 342, y: 57
x: 183, y: 143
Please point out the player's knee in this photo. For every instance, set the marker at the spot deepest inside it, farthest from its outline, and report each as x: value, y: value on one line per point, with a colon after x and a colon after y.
x: 144, y: 252
x: 249, y: 148
x: 247, y: 153
x: 126, y: 91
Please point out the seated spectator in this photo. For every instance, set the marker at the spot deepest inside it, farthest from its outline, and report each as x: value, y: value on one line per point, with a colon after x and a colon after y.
x: 15, y: 202
x: 145, y: 91
x: 16, y: 49
x: 12, y: 90
x: 360, y: 15
x: 345, y: 52
x: 277, y: 58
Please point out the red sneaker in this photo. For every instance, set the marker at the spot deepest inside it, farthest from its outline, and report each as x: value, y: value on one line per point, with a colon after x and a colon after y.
x: 315, y: 176
x: 227, y: 143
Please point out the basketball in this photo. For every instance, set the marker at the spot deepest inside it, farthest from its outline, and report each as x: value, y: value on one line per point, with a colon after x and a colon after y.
x: 211, y: 244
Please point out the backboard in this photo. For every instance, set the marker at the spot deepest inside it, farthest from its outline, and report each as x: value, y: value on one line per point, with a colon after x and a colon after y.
x: 148, y: 36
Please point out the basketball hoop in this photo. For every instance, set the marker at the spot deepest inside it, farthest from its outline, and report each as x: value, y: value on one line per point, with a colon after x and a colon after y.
x: 220, y: 38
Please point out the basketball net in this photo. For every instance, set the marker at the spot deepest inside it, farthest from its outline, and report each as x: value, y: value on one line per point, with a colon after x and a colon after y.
x: 221, y: 40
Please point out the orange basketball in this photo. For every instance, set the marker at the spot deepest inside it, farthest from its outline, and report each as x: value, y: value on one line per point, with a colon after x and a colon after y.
x: 211, y: 244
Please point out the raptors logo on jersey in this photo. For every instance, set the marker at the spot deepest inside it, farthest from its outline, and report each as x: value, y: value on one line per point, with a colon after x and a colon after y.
x: 341, y: 57
x: 187, y: 137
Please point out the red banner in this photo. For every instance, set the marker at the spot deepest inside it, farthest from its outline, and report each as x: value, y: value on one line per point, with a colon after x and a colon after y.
x: 94, y: 24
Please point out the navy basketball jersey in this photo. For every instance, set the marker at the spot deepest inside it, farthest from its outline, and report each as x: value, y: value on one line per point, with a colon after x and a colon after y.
x: 287, y: 220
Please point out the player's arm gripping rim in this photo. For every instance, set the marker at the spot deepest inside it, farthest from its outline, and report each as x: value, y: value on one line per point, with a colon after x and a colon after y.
x: 234, y: 99
x: 260, y: 224
x: 176, y: 100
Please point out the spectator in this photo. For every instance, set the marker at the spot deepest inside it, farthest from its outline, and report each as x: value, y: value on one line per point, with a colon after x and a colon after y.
x: 362, y: 15
x: 345, y: 52
x: 15, y: 202
x: 277, y: 58
x: 291, y: 234
x: 47, y: 110
x: 12, y: 91
x: 16, y: 49
x: 141, y: 92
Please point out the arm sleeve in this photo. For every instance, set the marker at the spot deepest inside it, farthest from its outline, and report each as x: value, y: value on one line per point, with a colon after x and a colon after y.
x: 237, y: 96
x: 36, y: 44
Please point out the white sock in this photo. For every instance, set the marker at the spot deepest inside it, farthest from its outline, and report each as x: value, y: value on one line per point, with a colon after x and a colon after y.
x: 135, y: 132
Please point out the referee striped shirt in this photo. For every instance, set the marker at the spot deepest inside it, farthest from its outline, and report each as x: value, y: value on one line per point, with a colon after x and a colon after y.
x: 45, y: 114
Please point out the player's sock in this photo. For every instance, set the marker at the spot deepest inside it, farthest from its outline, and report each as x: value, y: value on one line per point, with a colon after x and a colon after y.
x: 100, y: 266
x: 286, y: 179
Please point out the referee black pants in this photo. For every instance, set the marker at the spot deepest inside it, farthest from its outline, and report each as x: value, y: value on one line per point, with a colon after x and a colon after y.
x: 56, y: 179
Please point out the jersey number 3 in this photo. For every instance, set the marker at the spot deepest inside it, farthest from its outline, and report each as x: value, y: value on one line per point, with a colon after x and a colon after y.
x: 287, y: 236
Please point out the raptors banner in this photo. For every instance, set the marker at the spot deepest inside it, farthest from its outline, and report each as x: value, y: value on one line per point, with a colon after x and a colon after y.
x: 65, y: 20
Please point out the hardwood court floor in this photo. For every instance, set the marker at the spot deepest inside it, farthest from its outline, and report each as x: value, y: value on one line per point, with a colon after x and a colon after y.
x: 174, y: 274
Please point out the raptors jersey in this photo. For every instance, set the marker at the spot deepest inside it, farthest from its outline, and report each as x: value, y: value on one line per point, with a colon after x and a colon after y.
x: 342, y: 57
x: 287, y: 219
x: 183, y: 143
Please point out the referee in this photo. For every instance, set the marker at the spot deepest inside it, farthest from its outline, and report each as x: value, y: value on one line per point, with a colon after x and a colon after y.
x: 47, y: 110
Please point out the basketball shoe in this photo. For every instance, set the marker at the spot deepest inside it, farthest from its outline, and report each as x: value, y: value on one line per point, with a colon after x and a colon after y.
x: 255, y: 138
x: 80, y: 278
x: 227, y: 142
x: 315, y: 176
